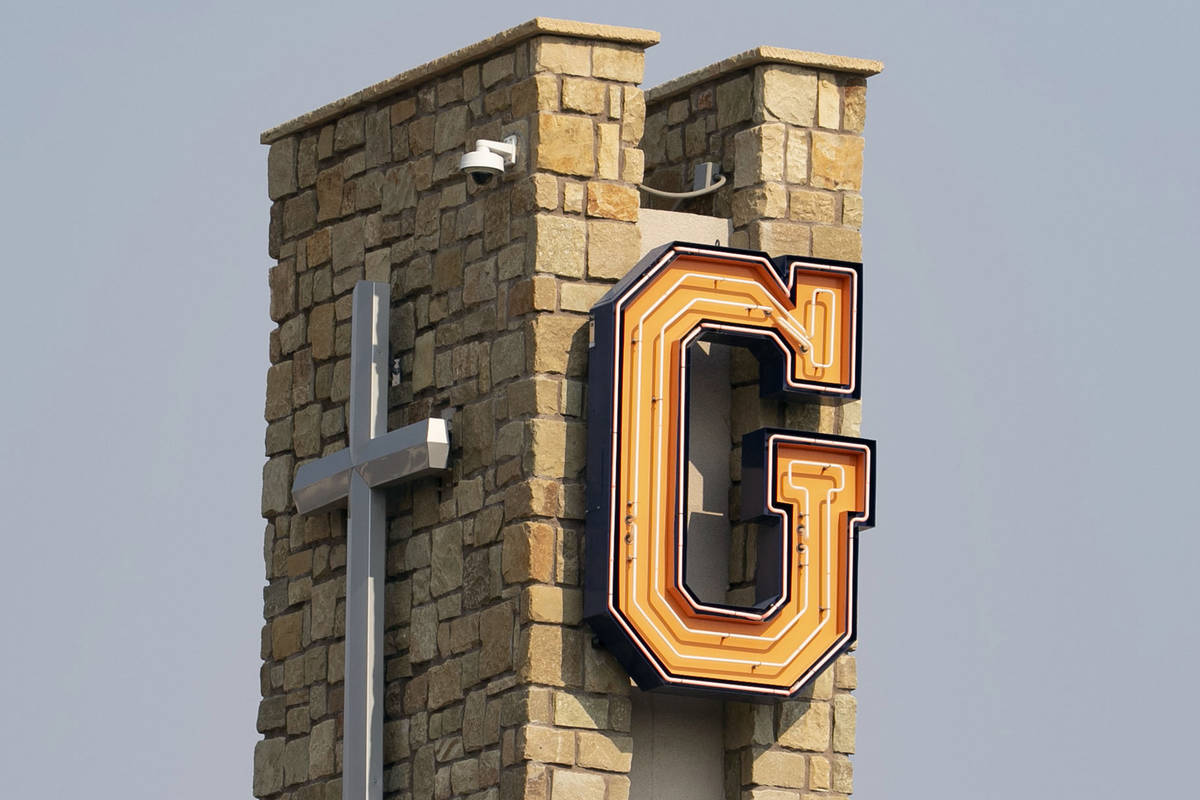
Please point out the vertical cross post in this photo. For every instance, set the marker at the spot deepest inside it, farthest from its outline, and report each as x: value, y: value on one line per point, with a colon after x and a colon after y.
x: 356, y: 476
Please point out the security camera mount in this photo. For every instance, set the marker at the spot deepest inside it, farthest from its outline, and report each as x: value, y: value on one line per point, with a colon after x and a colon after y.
x: 489, y: 157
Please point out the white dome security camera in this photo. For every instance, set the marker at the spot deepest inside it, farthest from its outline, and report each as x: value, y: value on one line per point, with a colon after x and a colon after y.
x: 489, y: 158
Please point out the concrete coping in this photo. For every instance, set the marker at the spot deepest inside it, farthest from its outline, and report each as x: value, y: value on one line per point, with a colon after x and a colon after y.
x: 763, y: 55
x: 538, y: 26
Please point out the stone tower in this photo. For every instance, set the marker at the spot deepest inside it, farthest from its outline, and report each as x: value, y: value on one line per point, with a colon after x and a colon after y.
x: 493, y: 686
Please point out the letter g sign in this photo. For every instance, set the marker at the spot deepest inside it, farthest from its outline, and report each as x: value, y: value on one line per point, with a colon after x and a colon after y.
x: 800, y: 318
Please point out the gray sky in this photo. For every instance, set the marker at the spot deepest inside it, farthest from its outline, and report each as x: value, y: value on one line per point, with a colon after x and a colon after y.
x: 1027, y: 602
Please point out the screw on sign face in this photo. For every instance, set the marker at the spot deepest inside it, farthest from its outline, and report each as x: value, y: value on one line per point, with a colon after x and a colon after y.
x: 799, y: 317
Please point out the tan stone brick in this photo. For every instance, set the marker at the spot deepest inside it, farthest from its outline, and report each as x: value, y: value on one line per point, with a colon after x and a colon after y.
x: 558, y: 343
x: 805, y: 725
x: 539, y: 93
x: 843, y: 775
x: 541, y: 603
x: 774, y: 768
x: 612, y: 201
x: 855, y: 115
x: 614, y: 102
x: 829, y: 101
x: 564, y: 56
x: 281, y: 168
x: 840, y: 243
x: 536, y: 395
x: 612, y: 248
x: 403, y: 110
x: 780, y: 237
x: 528, y: 552
x: 602, y: 673
x: 761, y: 793
x: 285, y: 635
x: 606, y: 751
x: 268, y: 766
x: 329, y: 193
x: 542, y: 192
x: 282, y: 279
x: 568, y: 785
x: 846, y: 672
x: 565, y: 144
x: 811, y: 206
x: 445, y: 684
x: 845, y: 709
x: 608, y: 150
x: 581, y: 94
x: 422, y: 370
x: 819, y: 775
x: 836, y: 161
x: 852, y: 210
x: 497, y: 69
x: 319, y: 247
x: 580, y: 711
x: 758, y: 154
x: 617, y: 63
x: 735, y: 101
x: 541, y: 654
x: 548, y: 745
x: 820, y: 687
x: 633, y: 116
x: 580, y: 296
x: 320, y: 749
x: 764, y: 201
x: 496, y: 638
x: 573, y: 197
x: 279, y: 391
x: 788, y: 94
x: 559, y: 245
x: 633, y: 166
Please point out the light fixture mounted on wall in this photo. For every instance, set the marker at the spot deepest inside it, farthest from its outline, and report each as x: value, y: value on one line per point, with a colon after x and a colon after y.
x: 489, y: 158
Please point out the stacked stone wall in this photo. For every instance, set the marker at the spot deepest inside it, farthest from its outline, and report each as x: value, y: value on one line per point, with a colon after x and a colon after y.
x: 491, y: 685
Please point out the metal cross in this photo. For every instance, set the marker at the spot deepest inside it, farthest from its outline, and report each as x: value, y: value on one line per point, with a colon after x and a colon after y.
x: 356, y: 477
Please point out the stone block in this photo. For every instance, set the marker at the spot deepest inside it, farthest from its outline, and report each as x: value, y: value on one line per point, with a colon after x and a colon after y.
x: 774, y: 768
x: 607, y: 751
x: 562, y: 56
x: 299, y: 215
x: 496, y: 640
x: 321, y: 749
x: 735, y: 101
x: 295, y: 761
x: 508, y: 356
x: 422, y: 636
x: 565, y: 144
x: 843, y: 774
x: 580, y: 711
x: 572, y: 197
x: 829, y: 102
x: 547, y: 745
x: 580, y: 296
x: 819, y: 775
x: 846, y: 672
x: 805, y: 725
x: 539, y: 93
x: 780, y: 237
x: 612, y: 248
x: 581, y: 94
x: 758, y: 154
x: 330, y: 184
x: 279, y: 391
x: 567, y: 785
x: 324, y: 608
x: 608, y: 151
x: 281, y: 168
x: 844, y: 244
x: 633, y: 166
x: 497, y: 69
x: 422, y: 368
x: 612, y: 201
x: 854, y: 115
x: 528, y: 552
x: 602, y: 673
x: 268, y: 767
x: 809, y: 205
x: 836, y: 161
x: 633, y: 115
x: 617, y: 63
x: 558, y: 343
x: 445, y: 684
x: 349, y: 131
x: 845, y: 709
x: 450, y: 129
x: 764, y: 201
x: 277, y: 485
x: 788, y: 93
x: 543, y: 653
x: 852, y: 210
x: 559, y: 245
